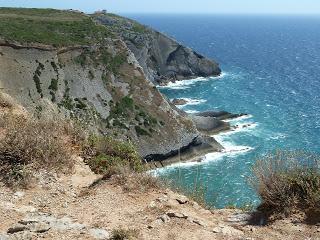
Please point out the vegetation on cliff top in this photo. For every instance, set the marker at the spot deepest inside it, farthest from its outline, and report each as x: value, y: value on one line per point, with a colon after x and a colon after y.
x: 48, y: 26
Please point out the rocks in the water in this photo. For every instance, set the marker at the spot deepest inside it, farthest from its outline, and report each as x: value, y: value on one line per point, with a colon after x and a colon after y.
x: 209, y: 124
x: 179, y: 101
x: 221, y: 115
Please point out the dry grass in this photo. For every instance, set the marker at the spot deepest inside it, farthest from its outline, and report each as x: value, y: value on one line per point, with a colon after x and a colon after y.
x: 5, y: 101
x: 124, y: 234
x: 286, y: 182
x: 131, y: 181
x: 30, y: 144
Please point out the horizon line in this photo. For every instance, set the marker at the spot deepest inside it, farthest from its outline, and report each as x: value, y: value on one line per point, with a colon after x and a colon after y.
x: 184, y: 13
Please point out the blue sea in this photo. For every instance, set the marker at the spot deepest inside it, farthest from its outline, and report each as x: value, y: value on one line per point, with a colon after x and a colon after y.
x: 271, y: 71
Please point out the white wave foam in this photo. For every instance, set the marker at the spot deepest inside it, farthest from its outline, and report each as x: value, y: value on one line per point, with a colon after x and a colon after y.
x: 230, y: 150
x: 191, y: 111
x: 191, y: 101
x: 241, y: 127
x: 184, y: 84
x: 278, y: 136
x: 239, y: 119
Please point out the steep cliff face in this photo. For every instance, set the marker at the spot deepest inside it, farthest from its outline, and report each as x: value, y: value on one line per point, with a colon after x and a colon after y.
x: 94, y: 78
x: 162, y: 58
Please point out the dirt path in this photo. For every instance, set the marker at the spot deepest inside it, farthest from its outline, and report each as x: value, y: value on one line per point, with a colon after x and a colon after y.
x: 62, y: 207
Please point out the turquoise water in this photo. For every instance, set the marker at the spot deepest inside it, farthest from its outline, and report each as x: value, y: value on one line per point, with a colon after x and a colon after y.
x: 271, y: 69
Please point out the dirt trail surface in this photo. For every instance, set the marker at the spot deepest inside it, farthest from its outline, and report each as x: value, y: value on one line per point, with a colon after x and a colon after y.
x: 64, y: 207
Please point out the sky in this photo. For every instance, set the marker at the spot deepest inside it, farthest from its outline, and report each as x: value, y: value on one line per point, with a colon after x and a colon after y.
x: 177, y: 6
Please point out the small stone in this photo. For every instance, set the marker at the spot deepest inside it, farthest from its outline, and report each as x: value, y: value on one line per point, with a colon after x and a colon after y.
x: 182, y: 199
x: 99, y: 233
x: 165, y: 218
x: 216, y: 230
x: 17, y: 228
x: 39, y: 227
x: 240, y: 218
x: 153, y: 204
x: 155, y: 223
x: 19, y: 194
x: 199, y: 222
x: 162, y: 199
x: 226, y: 230
x: 196, y: 205
x: 176, y: 215
x: 4, y: 237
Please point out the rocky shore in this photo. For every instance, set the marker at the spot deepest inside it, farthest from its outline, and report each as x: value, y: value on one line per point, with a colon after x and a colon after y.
x: 208, y: 123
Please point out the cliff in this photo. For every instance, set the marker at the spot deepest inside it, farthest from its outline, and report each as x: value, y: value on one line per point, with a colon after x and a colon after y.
x: 62, y: 61
x: 162, y: 58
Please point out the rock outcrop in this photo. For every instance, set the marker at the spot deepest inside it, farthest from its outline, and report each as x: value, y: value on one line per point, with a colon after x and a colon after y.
x: 162, y: 58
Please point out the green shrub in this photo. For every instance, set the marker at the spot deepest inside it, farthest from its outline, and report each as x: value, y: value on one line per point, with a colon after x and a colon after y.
x: 141, y: 132
x: 53, y: 85
x: 109, y: 156
x: 122, y: 108
x: 287, y: 181
x: 138, y: 28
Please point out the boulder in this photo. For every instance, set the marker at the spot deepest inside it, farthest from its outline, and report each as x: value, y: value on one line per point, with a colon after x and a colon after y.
x: 209, y: 125
x: 179, y: 101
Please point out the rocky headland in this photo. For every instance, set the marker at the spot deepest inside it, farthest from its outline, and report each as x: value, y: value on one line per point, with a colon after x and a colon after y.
x: 162, y: 58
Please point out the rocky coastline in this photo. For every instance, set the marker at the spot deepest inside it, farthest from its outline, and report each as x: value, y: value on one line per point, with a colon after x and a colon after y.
x: 208, y: 123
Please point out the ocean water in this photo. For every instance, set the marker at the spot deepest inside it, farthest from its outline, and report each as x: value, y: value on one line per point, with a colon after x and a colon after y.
x: 271, y: 70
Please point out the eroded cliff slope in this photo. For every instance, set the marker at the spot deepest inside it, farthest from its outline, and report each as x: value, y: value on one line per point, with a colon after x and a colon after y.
x: 163, y: 59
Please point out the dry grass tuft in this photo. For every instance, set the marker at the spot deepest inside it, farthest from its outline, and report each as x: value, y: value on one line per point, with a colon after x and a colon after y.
x: 123, y: 234
x: 29, y: 144
x: 5, y: 101
x: 288, y: 181
x: 136, y: 182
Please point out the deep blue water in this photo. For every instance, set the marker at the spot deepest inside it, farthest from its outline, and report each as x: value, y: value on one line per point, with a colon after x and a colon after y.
x: 271, y: 68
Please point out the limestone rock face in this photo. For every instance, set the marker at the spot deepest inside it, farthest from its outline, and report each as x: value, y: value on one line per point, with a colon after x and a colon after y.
x: 122, y: 104
x: 162, y: 58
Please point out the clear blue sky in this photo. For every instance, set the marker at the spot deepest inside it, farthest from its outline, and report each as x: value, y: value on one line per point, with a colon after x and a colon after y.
x: 178, y: 6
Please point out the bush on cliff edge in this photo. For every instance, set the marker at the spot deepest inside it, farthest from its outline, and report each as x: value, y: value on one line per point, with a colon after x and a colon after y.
x: 287, y: 182
x: 29, y: 144
x: 109, y: 156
